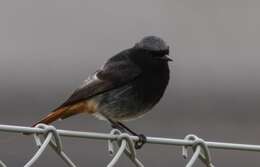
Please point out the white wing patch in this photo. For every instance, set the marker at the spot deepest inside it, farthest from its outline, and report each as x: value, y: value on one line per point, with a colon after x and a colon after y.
x: 89, y: 80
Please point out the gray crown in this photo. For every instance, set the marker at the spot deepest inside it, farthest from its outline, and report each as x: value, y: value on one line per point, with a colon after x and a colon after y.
x: 152, y: 43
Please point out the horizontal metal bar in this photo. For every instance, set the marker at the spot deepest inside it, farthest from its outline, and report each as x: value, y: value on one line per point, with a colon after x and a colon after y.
x: 151, y: 140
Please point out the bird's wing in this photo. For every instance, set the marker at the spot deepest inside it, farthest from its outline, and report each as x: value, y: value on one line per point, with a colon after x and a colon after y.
x: 118, y: 71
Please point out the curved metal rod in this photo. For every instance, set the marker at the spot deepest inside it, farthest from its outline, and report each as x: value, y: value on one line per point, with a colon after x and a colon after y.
x: 62, y: 155
x: 56, y: 144
x: 111, y: 145
x: 198, y: 144
x: 130, y: 150
x: 194, y: 157
x: 205, y: 158
x: 2, y: 164
x: 53, y: 130
x: 126, y: 145
x: 40, y: 151
x: 118, y: 154
x: 134, y: 160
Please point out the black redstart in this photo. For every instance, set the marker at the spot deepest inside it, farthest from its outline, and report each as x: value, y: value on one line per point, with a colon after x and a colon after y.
x: 126, y: 87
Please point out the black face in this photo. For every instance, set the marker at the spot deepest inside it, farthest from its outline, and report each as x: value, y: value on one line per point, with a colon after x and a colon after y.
x: 160, y: 55
x: 150, y: 58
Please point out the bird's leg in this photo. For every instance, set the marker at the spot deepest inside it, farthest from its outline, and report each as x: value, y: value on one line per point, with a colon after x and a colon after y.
x: 128, y: 129
x: 115, y: 125
x: 142, y: 138
x: 118, y: 125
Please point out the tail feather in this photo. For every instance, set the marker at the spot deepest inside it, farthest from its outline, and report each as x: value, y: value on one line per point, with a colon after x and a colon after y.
x: 65, y: 112
x: 53, y: 116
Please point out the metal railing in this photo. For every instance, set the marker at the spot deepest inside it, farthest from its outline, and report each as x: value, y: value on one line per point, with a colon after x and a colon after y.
x: 45, y: 135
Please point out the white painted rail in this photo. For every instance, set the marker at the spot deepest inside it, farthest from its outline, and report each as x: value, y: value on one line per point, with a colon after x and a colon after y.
x: 51, y: 136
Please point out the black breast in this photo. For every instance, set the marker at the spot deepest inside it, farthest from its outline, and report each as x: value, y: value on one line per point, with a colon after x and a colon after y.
x: 155, y: 75
x: 152, y: 86
x: 154, y: 78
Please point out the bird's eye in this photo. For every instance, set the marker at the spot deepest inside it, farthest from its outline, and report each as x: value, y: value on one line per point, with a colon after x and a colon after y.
x: 160, y: 53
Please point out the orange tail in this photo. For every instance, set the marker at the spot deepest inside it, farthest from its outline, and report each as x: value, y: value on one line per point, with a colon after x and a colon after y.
x: 65, y: 112
x: 53, y: 116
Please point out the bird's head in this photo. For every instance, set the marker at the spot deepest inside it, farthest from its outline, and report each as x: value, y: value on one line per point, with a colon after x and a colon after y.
x: 151, y: 52
x: 155, y: 47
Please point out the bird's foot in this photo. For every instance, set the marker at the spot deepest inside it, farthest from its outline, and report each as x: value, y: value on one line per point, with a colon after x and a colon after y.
x: 142, y: 138
x: 141, y: 141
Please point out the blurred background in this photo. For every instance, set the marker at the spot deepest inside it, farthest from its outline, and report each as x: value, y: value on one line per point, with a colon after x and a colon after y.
x: 47, y: 48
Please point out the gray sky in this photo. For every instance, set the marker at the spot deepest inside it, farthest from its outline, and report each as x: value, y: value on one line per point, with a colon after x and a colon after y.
x: 47, y: 48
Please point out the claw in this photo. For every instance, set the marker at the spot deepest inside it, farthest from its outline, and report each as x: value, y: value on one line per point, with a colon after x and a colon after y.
x: 142, y: 140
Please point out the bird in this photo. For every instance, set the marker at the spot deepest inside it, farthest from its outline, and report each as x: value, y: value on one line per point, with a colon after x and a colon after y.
x: 126, y: 87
